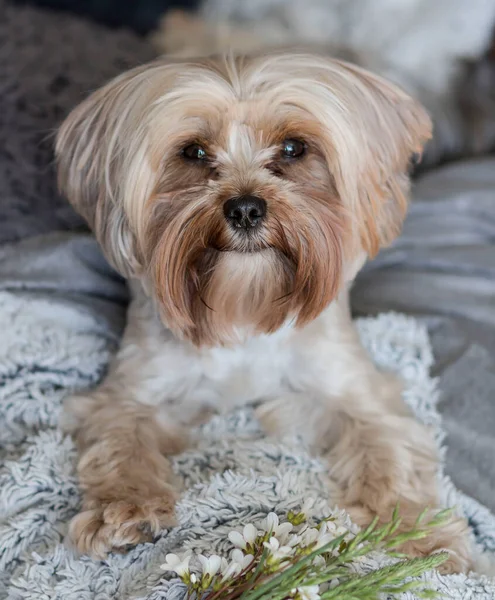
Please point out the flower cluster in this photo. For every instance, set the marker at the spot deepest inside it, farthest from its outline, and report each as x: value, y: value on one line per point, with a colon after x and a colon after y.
x: 297, y: 560
x: 278, y: 543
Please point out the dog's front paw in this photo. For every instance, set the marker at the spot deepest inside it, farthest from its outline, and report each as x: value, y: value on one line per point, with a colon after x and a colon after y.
x: 379, y: 464
x: 451, y: 537
x: 116, y: 525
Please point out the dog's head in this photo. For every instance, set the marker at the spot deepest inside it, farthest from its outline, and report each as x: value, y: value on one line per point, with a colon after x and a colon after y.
x: 242, y: 191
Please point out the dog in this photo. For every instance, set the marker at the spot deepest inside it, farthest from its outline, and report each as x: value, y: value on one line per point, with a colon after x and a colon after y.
x: 240, y: 196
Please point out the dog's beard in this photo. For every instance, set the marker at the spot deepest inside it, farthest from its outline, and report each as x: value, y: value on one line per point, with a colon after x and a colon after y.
x: 213, y: 286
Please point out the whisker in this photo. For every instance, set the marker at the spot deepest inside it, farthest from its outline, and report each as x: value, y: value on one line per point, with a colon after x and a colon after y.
x: 282, y: 233
x: 209, y: 307
x: 283, y: 297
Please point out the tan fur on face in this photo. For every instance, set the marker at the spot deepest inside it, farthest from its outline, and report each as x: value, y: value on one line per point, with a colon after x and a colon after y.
x: 160, y: 218
x: 208, y: 283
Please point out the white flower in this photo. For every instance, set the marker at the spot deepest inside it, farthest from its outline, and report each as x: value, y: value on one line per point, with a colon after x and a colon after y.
x: 340, y: 531
x: 247, y: 538
x: 239, y: 562
x: 307, y: 506
x: 294, y: 540
x: 231, y: 571
x: 319, y: 562
x: 324, y: 537
x: 194, y: 579
x: 309, y: 536
x: 237, y: 539
x: 319, y: 537
x: 176, y: 564
x: 250, y: 533
x: 279, y: 530
x: 278, y: 552
x: 244, y: 560
x: 336, y: 529
x: 309, y: 592
x: 210, y: 565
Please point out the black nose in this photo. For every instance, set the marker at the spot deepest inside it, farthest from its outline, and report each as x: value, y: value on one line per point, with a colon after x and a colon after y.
x: 245, y: 211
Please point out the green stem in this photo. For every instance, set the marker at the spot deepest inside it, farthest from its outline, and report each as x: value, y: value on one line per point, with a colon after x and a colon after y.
x: 386, y: 576
x: 278, y: 579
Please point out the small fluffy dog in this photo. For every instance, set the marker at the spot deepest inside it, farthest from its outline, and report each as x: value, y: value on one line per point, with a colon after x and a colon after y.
x: 240, y: 197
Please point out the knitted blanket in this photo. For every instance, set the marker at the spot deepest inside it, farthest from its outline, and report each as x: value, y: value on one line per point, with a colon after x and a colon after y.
x: 234, y: 476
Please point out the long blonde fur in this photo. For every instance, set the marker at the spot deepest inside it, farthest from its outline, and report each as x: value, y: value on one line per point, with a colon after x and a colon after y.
x: 222, y: 316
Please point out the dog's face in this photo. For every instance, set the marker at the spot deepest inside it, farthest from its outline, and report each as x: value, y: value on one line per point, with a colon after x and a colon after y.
x: 241, y: 191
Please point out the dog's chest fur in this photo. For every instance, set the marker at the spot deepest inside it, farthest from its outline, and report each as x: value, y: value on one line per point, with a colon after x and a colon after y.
x: 189, y: 382
x: 223, y: 377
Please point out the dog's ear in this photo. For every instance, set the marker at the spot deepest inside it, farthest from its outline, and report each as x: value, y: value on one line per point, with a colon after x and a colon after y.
x: 374, y: 131
x: 103, y: 166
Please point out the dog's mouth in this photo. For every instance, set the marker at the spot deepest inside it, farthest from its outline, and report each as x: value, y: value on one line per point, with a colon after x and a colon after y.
x: 248, y: 245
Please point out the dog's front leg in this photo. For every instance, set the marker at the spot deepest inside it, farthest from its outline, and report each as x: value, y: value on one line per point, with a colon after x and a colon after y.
x: 381, y: 460
x: 379, y: 455
x: 124, y: 432
x: 123, y: 470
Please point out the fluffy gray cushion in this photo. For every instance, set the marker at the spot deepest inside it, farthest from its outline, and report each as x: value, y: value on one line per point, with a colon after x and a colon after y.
x: 48, y: 62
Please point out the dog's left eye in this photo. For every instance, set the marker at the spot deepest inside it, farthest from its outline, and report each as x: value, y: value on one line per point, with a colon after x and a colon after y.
x: 293, y: 148
x: 194, y: 152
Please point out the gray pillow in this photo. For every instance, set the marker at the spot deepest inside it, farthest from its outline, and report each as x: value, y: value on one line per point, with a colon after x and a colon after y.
x: 48, y: 63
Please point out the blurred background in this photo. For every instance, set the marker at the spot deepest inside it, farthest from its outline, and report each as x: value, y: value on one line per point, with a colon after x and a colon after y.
x: 141, y: 16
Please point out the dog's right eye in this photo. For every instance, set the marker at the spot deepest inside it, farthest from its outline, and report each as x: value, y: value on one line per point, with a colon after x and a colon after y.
x: 194, y: 152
